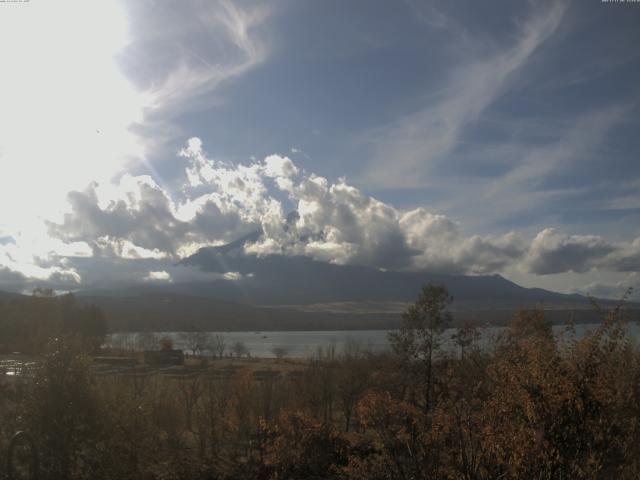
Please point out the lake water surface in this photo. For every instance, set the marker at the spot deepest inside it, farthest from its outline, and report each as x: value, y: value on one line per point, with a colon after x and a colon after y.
x: 301, y: 344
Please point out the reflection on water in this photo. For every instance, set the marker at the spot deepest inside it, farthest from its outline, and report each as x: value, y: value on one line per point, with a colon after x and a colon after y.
x: 304, y: 344
x: 297, y: 344
x: 15, y: 365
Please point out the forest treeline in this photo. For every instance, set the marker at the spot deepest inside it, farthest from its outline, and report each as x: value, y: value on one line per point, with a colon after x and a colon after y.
x: 28, y: 322
x: 528, y: 405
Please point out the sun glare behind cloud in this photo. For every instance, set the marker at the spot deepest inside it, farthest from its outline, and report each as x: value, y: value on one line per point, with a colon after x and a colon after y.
x: 66, y: 107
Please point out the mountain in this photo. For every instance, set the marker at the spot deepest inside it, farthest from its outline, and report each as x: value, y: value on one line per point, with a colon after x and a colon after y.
x: 5, y: 296
x: 286, y: 280
x: 277, y: 292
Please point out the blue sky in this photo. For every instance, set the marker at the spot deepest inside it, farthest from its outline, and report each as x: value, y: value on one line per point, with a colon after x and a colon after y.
x: 468, y: 137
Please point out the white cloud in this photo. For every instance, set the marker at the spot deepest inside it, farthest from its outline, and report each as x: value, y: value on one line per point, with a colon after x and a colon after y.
x: 489, y: 254
x: 555, y: 252
x: 334, y: 222
x: 160, y: 276
x: 134, y: 226
x: 139, y: 212
x: 234, y: 276
x: 277, y: 166
x: 406, y: 149
x: 234, y: 46
x: 32, y: 259
x: 625, y: 258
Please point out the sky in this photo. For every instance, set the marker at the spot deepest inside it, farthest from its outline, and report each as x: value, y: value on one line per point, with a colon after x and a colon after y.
x: 457, y: 137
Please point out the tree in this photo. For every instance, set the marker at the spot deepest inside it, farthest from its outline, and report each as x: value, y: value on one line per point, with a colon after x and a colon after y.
x: 28, y: 322
x: 42, y: 292
x: 280, y: 351
x: 418, y: 339
x: 465, y: 337
x: 62, y: 409
x: 195, y: 341
x: 216, y: 344
x: 530, y: 324
x: 352, y: 382
x: 240, y: 349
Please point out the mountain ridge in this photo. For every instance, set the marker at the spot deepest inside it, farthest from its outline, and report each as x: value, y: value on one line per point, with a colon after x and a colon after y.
x: 278, y: 292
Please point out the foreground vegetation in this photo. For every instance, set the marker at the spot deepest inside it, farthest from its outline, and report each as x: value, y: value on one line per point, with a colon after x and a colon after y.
x: 27, y: 322
x: 528, y: 406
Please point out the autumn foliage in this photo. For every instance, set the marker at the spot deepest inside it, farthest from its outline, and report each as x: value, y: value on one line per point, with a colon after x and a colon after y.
x: 526, y: 404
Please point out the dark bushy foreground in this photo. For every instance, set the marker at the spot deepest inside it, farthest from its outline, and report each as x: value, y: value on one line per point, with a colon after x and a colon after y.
x: 528, y: 406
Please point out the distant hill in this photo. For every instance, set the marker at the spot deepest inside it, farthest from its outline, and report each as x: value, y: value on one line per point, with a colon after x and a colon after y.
x: 278, y: 292
x: 4, y: 296
x: 175, y: 312
x: 166, y: 311
x: 8, y: 295
x: 282, y: 280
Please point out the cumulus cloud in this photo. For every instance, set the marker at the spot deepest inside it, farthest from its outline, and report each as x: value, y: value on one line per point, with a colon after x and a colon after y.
x: 161, y: 276
x: 332, y: 222
x: 335, y: 222
x: 138, y: 219
x: 234, y: 276
x: 25, y: 278
x: 625, y: 258
x: 555, y: 252
x: 140, y: 213
x: 488, y: 254
x: 12, y: 280
x: 291, y: 212
x: 443, y: 248
x: 23, y: 266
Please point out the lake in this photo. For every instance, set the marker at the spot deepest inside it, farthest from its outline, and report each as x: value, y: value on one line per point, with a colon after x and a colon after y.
x: 302, y: 344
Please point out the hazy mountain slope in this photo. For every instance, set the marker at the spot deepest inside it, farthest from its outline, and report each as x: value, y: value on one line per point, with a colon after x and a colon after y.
x: 282, y: 292
x: 4, y: 296
x: 171, y: 312
x: 277, y: 280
